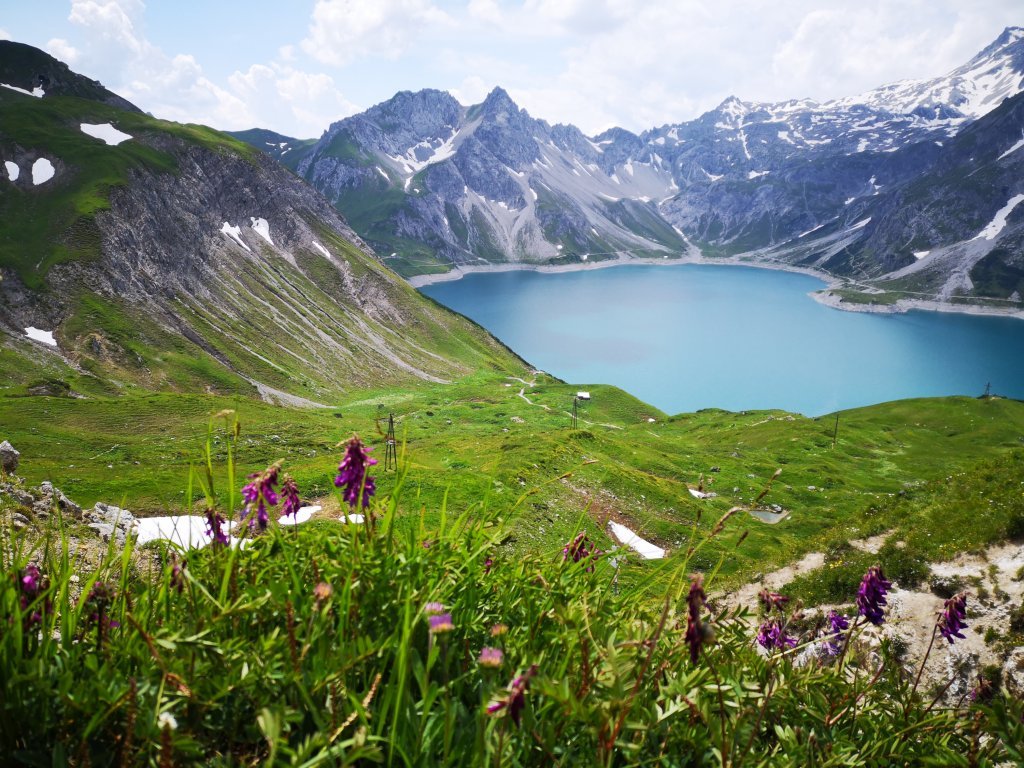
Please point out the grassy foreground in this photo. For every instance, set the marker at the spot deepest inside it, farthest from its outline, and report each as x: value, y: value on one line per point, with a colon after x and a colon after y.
x: 425, y: 644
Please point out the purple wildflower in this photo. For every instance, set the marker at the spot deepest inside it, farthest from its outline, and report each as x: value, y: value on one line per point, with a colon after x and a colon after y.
x: 433, y: 609
x: 177, y: 580
x: 516, y: 698
x: 498, y: 630
x: 871, y: 595
x: 953, y: 617
x: 258, y: 493
x: 772, y: 600
x: 215, y: 527
x: 290, y: 495
x: 837, y: 625
x: 440, y: 623
x: 488, y: 564
x: 97, y: 605
x: 32, y: 584
x: 694, y: 631
x: 580, y: 549
x: 352, y: 473
x: 491, y: 657
x: 773, y: 635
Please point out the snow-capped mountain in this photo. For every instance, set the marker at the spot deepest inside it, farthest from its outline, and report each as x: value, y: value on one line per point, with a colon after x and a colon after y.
x: 430, y: 182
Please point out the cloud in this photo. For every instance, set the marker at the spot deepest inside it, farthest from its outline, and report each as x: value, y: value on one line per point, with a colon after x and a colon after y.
x: 4, y: 34
x: 63, y: 50
x: 342, y: 30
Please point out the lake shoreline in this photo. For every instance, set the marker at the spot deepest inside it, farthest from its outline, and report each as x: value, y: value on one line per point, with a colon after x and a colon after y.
x: 822, y: 296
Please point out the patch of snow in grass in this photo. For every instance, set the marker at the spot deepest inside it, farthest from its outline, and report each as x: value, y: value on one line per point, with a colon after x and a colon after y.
x: 849, y: 200
x: 46, y: 337
x: 352, y: 517
x: 757, y: 174
x: 302, y: 516
x: 13, y: 171
x: 37, y: 92
x: 647, y: 550
x: 42, y: 171
x: 999, y: 221
x: 322, y: 250
x: 262, y: 227
x: 861, y: 224
x: 920, y: 254
x: 186, y: 531
x: 105, y: 132
x: 235, y: 233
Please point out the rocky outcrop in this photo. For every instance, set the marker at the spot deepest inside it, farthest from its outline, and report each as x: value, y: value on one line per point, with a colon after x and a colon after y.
x: 8, y: 458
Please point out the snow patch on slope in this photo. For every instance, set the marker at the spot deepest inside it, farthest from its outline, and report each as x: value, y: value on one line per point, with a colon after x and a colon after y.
x: 13, y: 171
x: 262, y: 228
x: 647, y: 550
x: 37, y: 92
x: 994, y: 227
x: 105, y: 132
x: 235, y: 233
x: 46, y: 337
x: 42, y: 171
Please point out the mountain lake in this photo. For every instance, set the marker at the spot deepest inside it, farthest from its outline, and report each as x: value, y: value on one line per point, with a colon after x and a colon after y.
x: 687, y: 337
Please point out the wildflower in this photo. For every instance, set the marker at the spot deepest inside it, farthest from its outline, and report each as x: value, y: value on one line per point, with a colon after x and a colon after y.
x: 488, y: 564
x: 97, y: 604
x: 837, y: 625
x: 290, y: 495
x: 322, y: 592
x: 177, y: 580
x: 498, y: 630
x: 440, y: 623
x: 432, y: 609
x: 983, y: 691
x: 166, y: 720
x: 258, y: 493
x: 871, y: 595
x: 772, y: 634
x: 953, y: 616
x: 516, y: 698
x: 352, y: 473
x: 581, y: 548
x: 215, y: 527
x: 772, y: 600
x: 695, y: 634
x: 491, y: 657
x: 32, y: 583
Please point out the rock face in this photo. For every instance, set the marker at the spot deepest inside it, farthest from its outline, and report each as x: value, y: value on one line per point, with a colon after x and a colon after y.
x: 211, y: 268
x: 111, y: 522
x: 1013, y: 673
x: 854, y: 186
x: 8, y: 458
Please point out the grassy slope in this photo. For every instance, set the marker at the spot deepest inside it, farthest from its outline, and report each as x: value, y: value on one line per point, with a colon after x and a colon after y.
x: 478, y: 442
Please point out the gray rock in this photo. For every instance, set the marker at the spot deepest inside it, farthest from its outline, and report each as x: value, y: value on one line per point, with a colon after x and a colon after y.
x: 103, y: 530
x: 19, y: 520
x: 1013, y: 673
x: 55, y: 498
x: 8, y: 458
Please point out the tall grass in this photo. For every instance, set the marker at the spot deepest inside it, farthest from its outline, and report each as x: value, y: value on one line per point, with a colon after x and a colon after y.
x: 314, y: 646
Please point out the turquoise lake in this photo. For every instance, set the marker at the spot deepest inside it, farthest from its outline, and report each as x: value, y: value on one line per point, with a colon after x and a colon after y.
x: 699, y: 336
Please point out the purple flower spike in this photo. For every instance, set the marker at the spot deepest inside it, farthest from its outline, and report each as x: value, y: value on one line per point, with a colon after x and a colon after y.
x: 215, y: 528
x: 516, y: 698
x: 258, y: 494
x: 694, y: 631
x: 772, y: 635
x: 838, y: 624
x: 32, y: 584
x: 580, y: 549
x: 352, y: 473
x: 871, y: 595
x: 772, y: 600
x: 953, y: 617
x: 290, y: 494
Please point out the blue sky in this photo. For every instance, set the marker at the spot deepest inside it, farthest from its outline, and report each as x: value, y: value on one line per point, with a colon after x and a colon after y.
x: 297, y: 66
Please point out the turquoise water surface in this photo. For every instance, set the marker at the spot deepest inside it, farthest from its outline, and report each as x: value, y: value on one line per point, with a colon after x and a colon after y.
x: 697, y: 336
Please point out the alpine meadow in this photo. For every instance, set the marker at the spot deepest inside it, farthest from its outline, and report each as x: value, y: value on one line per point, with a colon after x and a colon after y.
x: 291, y: 476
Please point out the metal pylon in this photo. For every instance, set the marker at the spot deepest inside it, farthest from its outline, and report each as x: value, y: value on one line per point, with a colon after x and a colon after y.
x: 390, y: 446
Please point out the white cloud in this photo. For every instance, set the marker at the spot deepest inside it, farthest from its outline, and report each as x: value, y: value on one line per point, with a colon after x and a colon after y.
x: 342, y: 30
x: 63, y: 50
x: 4, y: 34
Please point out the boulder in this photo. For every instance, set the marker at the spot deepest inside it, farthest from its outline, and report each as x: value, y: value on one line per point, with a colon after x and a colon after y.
x: 53, y: 497
x: 8, y: 458
x: 1013, y: 673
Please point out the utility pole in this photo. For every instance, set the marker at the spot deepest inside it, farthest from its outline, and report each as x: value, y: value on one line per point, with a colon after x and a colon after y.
x: 390, y: 446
